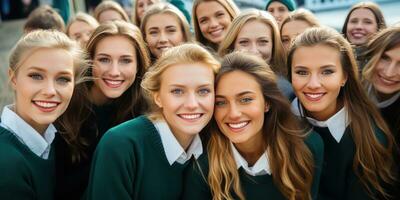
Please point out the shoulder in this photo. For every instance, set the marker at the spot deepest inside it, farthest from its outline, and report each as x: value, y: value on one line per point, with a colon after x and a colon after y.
x: 12, y: 157
x: 133, y: 129
x: 315, y: 143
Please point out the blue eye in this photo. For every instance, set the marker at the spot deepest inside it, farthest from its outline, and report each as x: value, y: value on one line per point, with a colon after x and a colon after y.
x: 63, y: 80
x: 36, y: 76
x: 204, y: 91
x: 104, y: 60
x: 246, y: 100
x: 177, y: 91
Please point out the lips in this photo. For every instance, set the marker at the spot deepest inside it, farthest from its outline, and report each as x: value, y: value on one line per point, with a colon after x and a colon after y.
x: 386, y: 81
x: 217, y: 32
x: 237, y: 127
x: 357, y: 34
x: 163, y: 48
x: 190, y: 117
x: 45, y: 106
x: 314, y: 96
x: 113, y: 83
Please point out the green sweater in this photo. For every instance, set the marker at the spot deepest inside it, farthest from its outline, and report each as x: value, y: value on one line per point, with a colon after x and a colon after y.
x: 130, y: 163
x: 24, y: 175
x: 253, y: 187
x: 338, y: 180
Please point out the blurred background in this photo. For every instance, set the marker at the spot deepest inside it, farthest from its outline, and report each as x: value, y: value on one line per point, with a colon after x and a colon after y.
x: 14, y: 12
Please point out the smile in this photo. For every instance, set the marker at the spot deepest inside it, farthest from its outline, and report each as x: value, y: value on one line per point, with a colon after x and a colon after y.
x: 387, y: 81
x: 113, y: 83
x: 237, y: 126
x: 46, y: 106
x: 216, y: 32
x: 190, y: 117
x: 314, y: 96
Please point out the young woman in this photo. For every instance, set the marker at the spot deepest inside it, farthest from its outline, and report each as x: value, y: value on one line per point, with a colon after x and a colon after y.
x: 81, y: 27
x: 140, y: 6
x: 211, y: 20
x: 295, y: 24
x: 358, y: 145
x: 258, y: 151
x: 280, y: 9
x: 110, y: 11
x: 119, y: 61
x: 382, y: 76
x: 363, y: 21
x: 50, y: 64
x: 153, y: 150
x: 164, y: 26
x: 256, y: 31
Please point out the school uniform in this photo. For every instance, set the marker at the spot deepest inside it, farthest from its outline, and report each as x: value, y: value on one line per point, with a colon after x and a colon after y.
x: 256, y: 182
x: 72, y: 177
x: 26, y: 159
x: 338, y: 179
x: 140, y: 159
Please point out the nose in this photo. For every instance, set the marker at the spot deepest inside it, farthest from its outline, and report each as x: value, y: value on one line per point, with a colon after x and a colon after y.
x: 314, y: 82
x: 114, y: 71
x: 390, y: 70
x: 163, y: 37
x: 253, y: 48
x: 234, y: 112
x: 49, y: 89
x: 213, y: 22
x: 191, y: 102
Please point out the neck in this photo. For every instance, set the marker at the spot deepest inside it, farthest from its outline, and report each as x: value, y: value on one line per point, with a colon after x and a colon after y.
x: 251, y: 151
x: 97, y: 97
x: 383, y: 97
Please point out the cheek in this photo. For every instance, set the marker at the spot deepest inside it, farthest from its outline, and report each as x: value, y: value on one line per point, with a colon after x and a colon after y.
x: 297, y: 83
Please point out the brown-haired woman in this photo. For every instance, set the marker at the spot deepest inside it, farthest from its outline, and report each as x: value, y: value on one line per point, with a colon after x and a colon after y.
x: 259, y: 149
x: 358, y: 145
x: 109, y: 11
x: 119, y: 61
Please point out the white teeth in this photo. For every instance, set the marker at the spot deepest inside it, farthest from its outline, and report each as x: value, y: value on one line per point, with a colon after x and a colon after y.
x: 45, y: 104
x: 238, y: 125
x: 314, y: 96
x: 190, y: 116
x: 113, y: 82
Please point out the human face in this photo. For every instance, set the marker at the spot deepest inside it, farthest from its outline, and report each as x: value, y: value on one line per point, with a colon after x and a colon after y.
x: 81, y: 32
x: 162, y: 32
x: 115, y: 68
x: 279, y: 11
x: 361, y: 25
x: 186, y: 97
x: 240, y: 109
x: 142, y: 6
x: 109, y: 15
x: 386, y: 77
x: 255, y: 37
x: 43, y: 86
x: 317, y: 76
x: 292, y: 29
x: 214, y: 21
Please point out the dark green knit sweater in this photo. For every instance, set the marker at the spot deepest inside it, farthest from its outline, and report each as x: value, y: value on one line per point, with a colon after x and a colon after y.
x: 23, y: 174
x: 130, y: 163
x: 253, y: 187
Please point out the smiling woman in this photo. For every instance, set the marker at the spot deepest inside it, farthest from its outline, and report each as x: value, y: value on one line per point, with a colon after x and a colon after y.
x: 119, y: 61
x: 50, y: 64
x: 155, y: 149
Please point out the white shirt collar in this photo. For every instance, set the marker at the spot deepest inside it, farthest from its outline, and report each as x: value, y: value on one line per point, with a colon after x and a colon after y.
x: 26, y: 134
x: 173, y: 150
x: 261, y: 167
x: 336, y: 124
x: 382, y: 104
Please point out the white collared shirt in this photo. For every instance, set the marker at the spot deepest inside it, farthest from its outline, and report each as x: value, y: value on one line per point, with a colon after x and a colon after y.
x: 261, y: 167
x: 336, y: 124
x: 173, y: 150
x: 27, y: 134
x: 382, y: 104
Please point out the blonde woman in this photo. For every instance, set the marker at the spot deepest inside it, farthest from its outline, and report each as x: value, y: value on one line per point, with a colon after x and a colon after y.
x: 81, y: 27
x: 109, y: 11
x: 44, y: 67
x: 164, y: 26
x: 358, y: 158
x: 256, y: 31
x: 211, y: 20
x: 258, y: 149
x: 153, y: 150
x: 119, y: 61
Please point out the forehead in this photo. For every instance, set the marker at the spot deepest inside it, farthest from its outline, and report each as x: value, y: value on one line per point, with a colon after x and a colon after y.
x: 187, y: 74
x: 228, y: 84
x: 209, y: 8
x: 276, y: 4
x: 52, y: 60
x: 316, y: 56
x: 116, y: 44
x: 294, y: 27
x: 255, y: 28
x: 362, y: 13
x: 162, y: 19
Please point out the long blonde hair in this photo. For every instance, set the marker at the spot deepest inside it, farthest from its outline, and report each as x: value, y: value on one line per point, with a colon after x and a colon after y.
x: 229, y: 6
x: 373, y: 160
x: 278, y: 61
x: 291, y: 162
x: 185, y: 53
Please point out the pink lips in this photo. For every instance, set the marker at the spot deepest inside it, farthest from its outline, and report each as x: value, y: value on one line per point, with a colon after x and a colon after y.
x: 46, y: 106
x: 113, y: 83
x: 314, y: 96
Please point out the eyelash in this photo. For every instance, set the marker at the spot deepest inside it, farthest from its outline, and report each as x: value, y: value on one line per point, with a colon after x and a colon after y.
x: 36, y: 76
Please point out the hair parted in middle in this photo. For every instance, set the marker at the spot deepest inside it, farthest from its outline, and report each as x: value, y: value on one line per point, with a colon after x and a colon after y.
x: 291, y: 161
x: 304, y: 15
x: 82, y: 17
x: 185, y: 53
x: 110, y: 5
x: 229, y: 6
x: 373, y: 160
x: 167, y: 8
x: 278, y: 61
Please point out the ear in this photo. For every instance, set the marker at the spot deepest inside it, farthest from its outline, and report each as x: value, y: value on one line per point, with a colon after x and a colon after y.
x: 157, y: 100
x: 344, y: 80
x: 12, y: 78
x: 266, y: 108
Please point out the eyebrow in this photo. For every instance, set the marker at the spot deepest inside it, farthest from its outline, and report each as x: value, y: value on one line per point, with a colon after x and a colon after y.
x: 107, y: 55
x: 322, y: 67
x: 43, y: 70
x: 183, y: 85
x: 237, y: 95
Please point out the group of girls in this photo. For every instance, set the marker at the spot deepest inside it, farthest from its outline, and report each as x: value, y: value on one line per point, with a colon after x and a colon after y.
x: 256, y: 109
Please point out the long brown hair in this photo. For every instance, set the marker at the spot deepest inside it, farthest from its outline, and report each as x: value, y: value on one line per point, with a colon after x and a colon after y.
x: 290, y: 160
x: 373, y: 160
x: 130, y: 104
